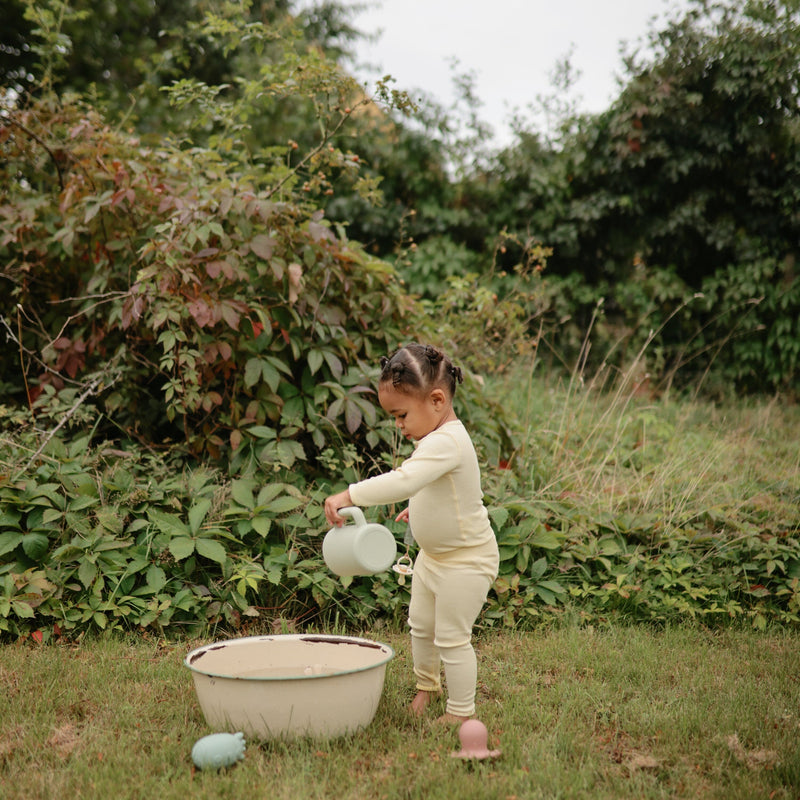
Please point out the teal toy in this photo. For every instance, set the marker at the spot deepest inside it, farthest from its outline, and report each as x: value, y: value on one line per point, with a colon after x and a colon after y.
x: 218, y: 750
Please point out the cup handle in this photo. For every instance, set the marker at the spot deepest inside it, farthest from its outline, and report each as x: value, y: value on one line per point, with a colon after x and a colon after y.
x: 355, y: 513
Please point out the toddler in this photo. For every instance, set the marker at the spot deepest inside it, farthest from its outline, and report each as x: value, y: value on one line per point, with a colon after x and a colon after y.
x: 458, y: 557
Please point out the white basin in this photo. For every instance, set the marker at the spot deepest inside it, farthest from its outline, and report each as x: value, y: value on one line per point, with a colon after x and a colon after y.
x: 291, y: 685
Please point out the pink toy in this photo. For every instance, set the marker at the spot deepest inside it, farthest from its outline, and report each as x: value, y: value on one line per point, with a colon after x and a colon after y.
x: 474, y: 741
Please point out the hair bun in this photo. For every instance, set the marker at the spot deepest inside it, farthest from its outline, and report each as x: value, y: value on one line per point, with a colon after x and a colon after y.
x: 433, y: 355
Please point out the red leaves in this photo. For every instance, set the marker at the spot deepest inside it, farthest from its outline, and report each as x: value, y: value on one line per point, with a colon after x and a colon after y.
x: 132, y: 308
x: 71, y: 355
x: 201, y: 313
x: 221, y: 350
x: 161, y: 255
x: 211, y: 400
x: 123, y: 194
x: 295, y: 281
x: 220, y: 267
x: 207, y: 311
x: 232, y: 311
x: 263, y: 246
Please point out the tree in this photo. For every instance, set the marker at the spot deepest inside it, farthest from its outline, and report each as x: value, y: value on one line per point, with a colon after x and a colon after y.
x: 195, y: 288
x: 691, y: 175
x: 697, y: 161
x: 124, y: 54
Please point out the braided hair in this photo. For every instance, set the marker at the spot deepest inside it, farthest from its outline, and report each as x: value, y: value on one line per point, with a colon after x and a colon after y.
x: 418, y: 368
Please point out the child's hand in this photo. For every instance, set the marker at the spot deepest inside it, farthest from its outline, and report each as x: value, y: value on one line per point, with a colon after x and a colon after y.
x: 332, y: 506
x: 402, y: 516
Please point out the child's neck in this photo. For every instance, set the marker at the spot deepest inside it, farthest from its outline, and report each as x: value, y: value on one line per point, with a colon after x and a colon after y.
x: 449, y: 416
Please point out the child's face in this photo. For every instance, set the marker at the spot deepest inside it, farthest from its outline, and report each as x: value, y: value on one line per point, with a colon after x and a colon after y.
x: 416, y: 415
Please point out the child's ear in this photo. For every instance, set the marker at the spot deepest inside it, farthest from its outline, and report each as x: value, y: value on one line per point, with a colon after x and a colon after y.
x: 438, y: 397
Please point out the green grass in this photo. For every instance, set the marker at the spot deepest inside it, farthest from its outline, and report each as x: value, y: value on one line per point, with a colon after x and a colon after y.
x: 663, y: 508
x: 616, y: 712
x: 628, y: 450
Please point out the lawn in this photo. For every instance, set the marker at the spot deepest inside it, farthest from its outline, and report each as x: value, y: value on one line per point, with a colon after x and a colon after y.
x: 578, y: 712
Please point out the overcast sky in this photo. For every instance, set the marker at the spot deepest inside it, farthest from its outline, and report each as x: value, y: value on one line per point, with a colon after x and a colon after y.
x: 511, y: 46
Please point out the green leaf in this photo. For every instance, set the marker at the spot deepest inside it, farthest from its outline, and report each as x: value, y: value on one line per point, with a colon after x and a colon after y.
x: 51, y: 515
x: 111, y: 543
x: 262, y: 432
x: 262, y: 525
x: 252, y: 372
x: 268, y: 492
x: 335, y: 364
x: 553, y: 586
x: 22, y: 609
x: 9, y: 542
x: 315, y: 360
x: 35, y: 545
x: 87, y: 571
x: 507, y: 553
x: 9, y: 518
x: 48, y: 491
x: 210, y: 548
x: 79, y: 503
x: 538, y: 568
x: 169, y: 523
x: 167, y: 339
x: 110, y: 519
x: 156, y: 578
x: 181, y: 547
x: 609, y: 546
x: 523, y: 556
x: 283, y: 504
x: 289, y: 452
x: 546, y: 595
x: 271, y: 376
x: 279, y: 365
x: 197, y: 513
x: 545, y: 539
x: 67, y: 552
x: 242, y: 493
x: 499, y: 516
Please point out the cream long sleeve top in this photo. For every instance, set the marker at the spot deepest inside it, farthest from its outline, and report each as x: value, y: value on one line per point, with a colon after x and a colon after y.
x: 441, y: 480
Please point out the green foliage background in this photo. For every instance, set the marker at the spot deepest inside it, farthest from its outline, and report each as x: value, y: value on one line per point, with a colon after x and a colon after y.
x: 209, y: 237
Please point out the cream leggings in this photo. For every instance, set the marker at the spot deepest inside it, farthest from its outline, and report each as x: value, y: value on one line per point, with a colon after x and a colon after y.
x: 443, y: 609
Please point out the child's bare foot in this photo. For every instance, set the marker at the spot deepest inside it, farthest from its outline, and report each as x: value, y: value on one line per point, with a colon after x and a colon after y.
x: 451, y: 719
x: 420, y: 703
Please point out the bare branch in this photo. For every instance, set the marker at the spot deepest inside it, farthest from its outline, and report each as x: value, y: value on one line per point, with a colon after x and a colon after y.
x: 90, y: 389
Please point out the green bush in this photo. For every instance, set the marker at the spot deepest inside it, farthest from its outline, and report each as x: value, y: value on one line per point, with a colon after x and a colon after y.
x: 204, y: 307
x: 190, y: 368
x: 193, y: 348
x: 754, y: 313
x: 92, y: 538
